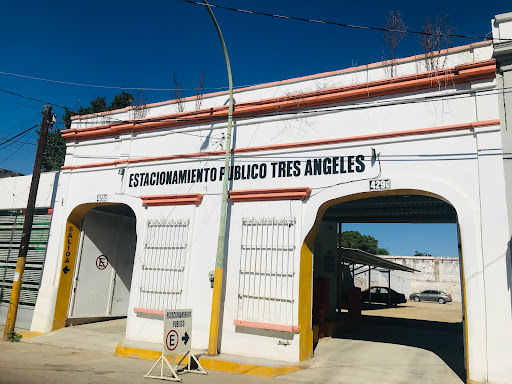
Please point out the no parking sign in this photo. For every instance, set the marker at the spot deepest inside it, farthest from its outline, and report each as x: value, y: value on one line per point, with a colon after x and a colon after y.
x: 177, y: 331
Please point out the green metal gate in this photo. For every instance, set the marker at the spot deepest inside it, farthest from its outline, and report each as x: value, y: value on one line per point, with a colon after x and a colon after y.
x: 11, y: 226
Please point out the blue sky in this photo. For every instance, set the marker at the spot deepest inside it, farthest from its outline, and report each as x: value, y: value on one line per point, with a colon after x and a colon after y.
x: 405, y: 239
x: 141, y: 44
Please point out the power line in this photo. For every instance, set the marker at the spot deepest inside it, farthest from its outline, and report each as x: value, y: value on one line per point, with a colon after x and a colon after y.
x: 17, y: 150
x: 14, y: 102
x: 220, y: 118
x: 111, y: 86
x: 461, y: 95
x: 20, y: 124
x: 39, y: 101
x: 336, y: 23
x: 18, y: 135
x: 17, y: 141
x: 14, y: 142
x: 306, y: 110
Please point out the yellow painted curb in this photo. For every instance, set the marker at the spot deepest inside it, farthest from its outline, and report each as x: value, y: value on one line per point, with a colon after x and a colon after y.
x: 136, y: 353
x: 212, y: 364
x: 29, y: 334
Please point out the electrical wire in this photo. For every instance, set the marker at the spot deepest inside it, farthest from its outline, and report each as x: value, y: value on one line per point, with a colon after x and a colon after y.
x: 9, y: 140
x: 18, y: 135
x: 17, y: 141
x: 37, y: 100
x: 336, y: 23
x: 363, y: 105
x: 18, y: 149
x: 111, y: 86
x: 15, y: 102
x: 20, y: 124
x: 194, y: 120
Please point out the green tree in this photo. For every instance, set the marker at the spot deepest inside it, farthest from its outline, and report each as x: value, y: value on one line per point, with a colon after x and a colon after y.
x: 353, y: 239
x: 55, y: 151
x: 416, y: 253
x: 120, y: 101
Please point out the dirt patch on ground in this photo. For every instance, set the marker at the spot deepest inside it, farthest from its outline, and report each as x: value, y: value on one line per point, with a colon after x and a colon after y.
x: 430, y: 311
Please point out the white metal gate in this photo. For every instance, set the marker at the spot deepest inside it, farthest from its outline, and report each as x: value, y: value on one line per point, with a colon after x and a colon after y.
x: 163, y: 264
x: 101, y: 285
x: 267, y: 269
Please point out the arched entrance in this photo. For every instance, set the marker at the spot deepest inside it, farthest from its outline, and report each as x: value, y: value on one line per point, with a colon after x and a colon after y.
x: 97, y: 264
x: 404, y: 206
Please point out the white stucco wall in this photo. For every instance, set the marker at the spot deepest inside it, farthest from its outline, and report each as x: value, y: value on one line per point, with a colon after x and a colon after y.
x: 14, y: 191
x: 438, y: 273
x: 462, y: 167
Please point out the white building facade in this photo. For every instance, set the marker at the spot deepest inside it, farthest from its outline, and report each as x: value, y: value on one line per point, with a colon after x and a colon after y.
x: 137, y: 209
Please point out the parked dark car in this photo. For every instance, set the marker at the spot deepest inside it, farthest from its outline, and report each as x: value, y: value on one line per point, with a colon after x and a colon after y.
x: 380, y: 295
x: 431, y: 295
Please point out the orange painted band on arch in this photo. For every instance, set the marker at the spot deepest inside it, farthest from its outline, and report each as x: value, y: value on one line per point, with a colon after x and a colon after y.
x: 341, y: 140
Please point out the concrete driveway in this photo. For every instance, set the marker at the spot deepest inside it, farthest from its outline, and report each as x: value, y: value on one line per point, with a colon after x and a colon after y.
x: 385, y: 349
x: 376, y: 353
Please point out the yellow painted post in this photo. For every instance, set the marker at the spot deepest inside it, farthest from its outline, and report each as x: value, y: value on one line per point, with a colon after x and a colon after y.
x: 67, y: 269
x: 305, y: 302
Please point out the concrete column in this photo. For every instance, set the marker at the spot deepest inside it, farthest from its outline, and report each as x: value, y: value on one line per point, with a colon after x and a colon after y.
x: 502, y: 44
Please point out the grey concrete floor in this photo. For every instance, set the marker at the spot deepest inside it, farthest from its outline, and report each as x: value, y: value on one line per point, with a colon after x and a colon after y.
x: 27, y: 363
x: 383, y: 350
x: 368, y: 356
x: 101, y: 336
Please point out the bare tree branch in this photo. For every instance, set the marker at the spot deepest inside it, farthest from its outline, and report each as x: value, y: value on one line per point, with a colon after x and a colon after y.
x: 435, y: 40
x: 180, y: 106
x: 396, y: 31
x: 140, y: 108
x: 199, y: 94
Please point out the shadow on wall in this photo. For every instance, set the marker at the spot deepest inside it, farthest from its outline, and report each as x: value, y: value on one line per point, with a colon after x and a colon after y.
x: 443, y: 339
x: 509, y: 269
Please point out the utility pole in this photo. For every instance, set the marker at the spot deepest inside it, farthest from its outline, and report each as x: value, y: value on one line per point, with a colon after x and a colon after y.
x: 27, y: 225
x: 219, y: 260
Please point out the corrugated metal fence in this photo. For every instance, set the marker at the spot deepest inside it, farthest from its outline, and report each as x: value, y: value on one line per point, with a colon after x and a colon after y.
x: 11, y: 226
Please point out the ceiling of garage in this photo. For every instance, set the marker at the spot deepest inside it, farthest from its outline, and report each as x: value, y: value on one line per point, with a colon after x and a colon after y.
x: 393, y: 209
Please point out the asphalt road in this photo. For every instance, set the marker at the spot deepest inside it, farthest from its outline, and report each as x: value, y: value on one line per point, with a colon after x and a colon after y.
x: 23, y: 363
x: 419, y: 343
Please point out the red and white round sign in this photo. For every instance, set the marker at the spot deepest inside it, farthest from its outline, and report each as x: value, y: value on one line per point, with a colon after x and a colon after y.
x: 101, y: 262
x: 171, y: 341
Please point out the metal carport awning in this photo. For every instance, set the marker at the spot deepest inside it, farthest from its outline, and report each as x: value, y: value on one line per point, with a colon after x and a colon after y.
x: 356, y: 256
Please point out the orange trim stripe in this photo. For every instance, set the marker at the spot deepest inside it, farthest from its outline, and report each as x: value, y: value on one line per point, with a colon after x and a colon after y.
x: 271, y: 327
x: 184, y: 199
x: 302, y: 78
x: 341, y: 140
x: 485, y: 69
x: 150, y: 311
x: 270, y: 194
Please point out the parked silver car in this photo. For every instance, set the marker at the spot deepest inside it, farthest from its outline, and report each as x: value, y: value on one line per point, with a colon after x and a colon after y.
x: 431, y: 295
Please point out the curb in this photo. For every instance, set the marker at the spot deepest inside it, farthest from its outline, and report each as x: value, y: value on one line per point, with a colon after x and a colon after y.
x: 29, y: 334
x: 211, y: 364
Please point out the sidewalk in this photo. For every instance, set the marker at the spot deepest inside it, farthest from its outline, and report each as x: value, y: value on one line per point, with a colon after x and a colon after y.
x: 355, y: 360
x: 107, y: 336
